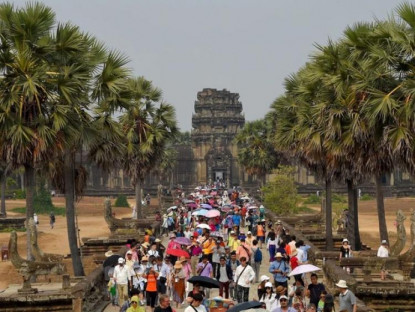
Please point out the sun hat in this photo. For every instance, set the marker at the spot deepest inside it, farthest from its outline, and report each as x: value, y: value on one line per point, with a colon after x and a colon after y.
x: 284, y: 297
x: 145, y: 258
x: 178, y: 265
x: 183, y: 259
x: 232, y: 232
x: 345, y: 240
x: 278, y: 255
x: 342, y: 284
x: 384, y: 242
x: 109, y: 253
x: 280, y: 289
x: 268, y: 284
x: 264, y: 278
x: 120, y: 260
x: 157, y: 240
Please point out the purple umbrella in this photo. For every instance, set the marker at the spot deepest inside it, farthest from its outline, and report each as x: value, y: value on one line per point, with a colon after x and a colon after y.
x: 192, y: 205
x: 206, y: 206
x: 183, y: 241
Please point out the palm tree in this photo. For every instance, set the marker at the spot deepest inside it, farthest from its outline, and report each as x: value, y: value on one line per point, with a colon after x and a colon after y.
x: 256, y: 153
x: 147, y: 129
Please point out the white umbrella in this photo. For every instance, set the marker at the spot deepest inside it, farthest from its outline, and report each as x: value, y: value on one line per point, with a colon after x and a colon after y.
x: 304, y: 268
x: 203, y: 226
x: 201, y: 212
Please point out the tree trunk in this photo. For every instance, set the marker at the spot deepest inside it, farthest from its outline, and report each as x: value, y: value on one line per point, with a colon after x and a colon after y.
x: 69, y: 173
x: 138, y: 199
x: 353, y: 216
x: 3, y: 194
x: 22, y: 184
x: 383, y: 229
x: 29, y: 178
x: 329, y: 219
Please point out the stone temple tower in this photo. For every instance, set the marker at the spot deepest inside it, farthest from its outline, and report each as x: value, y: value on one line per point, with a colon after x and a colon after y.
x: 218, y: 118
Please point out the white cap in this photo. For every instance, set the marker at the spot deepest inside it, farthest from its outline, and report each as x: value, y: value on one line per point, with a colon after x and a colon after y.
x: 345, y: 240
x: 249, y: 232
x: 268, y: 284
x: 384, y: 242
x: 129, y: 252
x: 284, y: 297
x: 120, y: 260
x: 232, y: 232
x: 264, y: 278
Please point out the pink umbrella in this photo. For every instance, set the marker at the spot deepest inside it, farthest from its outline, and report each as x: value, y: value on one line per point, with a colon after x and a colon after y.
x: 212, y: 213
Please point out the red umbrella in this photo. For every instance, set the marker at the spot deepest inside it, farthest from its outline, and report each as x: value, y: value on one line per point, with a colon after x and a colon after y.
x: 178, y: 253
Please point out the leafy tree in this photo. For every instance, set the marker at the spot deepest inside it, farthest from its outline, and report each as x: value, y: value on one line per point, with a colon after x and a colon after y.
x: 280, y: 194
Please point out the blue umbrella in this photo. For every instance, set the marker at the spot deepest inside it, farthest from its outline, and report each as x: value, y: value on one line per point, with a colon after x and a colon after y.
x: 200, y: 212
x: 206, y: 206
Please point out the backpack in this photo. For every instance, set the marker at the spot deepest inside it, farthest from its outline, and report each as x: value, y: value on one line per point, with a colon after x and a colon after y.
x: 258, y: 255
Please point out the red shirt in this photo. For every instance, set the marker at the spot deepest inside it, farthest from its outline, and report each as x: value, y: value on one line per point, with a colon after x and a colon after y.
x: 293, y: 262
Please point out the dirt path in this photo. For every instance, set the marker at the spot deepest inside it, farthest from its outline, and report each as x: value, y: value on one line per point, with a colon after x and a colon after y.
x: 92, y: 224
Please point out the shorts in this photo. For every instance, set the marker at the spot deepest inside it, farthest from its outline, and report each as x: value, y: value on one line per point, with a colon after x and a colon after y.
x: 261, y: 238
x: 151, y: 297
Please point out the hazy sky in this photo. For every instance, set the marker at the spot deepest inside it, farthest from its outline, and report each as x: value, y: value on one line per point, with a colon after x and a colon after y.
x: 245, y: 46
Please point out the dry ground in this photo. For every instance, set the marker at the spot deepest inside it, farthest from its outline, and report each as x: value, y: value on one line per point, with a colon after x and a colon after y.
x: 92, y: 224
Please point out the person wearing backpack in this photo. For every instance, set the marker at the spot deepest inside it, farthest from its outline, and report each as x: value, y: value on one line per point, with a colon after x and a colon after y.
x: 257, y: 259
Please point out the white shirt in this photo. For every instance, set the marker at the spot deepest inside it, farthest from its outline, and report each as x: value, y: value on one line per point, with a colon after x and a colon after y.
x: 300, y: 255
x: 245, y: 279
x: 200, y: 308
x: 122, y: 274
x: 269, y: 302
x: 152, y: 252
x: 187, y: 234
x: 383, y: 252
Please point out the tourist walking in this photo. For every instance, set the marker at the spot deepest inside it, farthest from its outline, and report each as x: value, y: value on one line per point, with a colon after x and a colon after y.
x: 284, y: 306
x: 271, y: 246
x: 383, y: 252
x: 122, y: 274
x: 347, y: 299
x: 268, y: 296
x: 164, y: 304
x: 315, y: 289
x: 196, y: 305
x: 345, y: 252
x: 178, y: 283
x: 52, y: 220
x: 151, y: 287
x: 244, y: 276
x: 223, y: 274
x: 279, y: 268
x: 233, y: 263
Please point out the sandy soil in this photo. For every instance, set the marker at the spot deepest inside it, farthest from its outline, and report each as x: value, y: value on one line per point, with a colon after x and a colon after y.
x: 92, y: 224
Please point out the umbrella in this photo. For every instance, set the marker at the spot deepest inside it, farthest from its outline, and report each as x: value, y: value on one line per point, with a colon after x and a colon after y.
x: 212, y: 213
x: 183, y: 241
x: 178, y: 253
x: 255, y: 310
x: 188, y: 201
x: 245, y: 198
x: 216, y: 234
x: 304, y: 268
x: 192, y: 205
x: 206, y: 206
x: 204, y: 281
x: 200, y: 212
x: 203, y: 226
x: 252, y: 207
x: 111, y: 260
x: 245, y: 306
x: 225, y: 208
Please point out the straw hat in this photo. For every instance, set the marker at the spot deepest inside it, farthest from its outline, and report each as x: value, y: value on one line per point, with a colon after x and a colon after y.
x: 145, y: 258
x: 278, y: 255
x: 109, y: 253
x: 280, y: 289
x: 342, y: 284
x: 157, y: 240
x: 183, y: 259
x: 178, y: 265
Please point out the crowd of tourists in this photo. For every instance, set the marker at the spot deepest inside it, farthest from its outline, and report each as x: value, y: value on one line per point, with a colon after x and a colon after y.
x: 220, y: 235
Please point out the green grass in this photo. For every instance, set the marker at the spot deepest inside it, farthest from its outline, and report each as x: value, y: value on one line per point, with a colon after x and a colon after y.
x: 312, y: 199
x: 305, y: 209
x: 8, y: 230
x: 366, y: 197
x: 58, y: 211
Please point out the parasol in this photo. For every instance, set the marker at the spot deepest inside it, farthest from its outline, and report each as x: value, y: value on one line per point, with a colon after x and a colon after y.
x: 200, y: 212
x: 183, y: 241
x: 253, y: 207
x: 245, y: 306
x: 204, y: 281
x: 192, y: 205
x: 178, y: 253
x: 111, y: 261
x: 206, y: 206
x: 304, y: 268
x: 212, y: 213
x: 203, y: 226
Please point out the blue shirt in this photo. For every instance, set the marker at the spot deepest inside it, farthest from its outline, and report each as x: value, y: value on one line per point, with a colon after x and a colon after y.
x: 305, y: 248
x: 236, y: 219
x: 279, y: 265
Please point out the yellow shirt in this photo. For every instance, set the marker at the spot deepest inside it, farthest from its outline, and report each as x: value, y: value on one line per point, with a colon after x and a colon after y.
x: 207, y: 247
